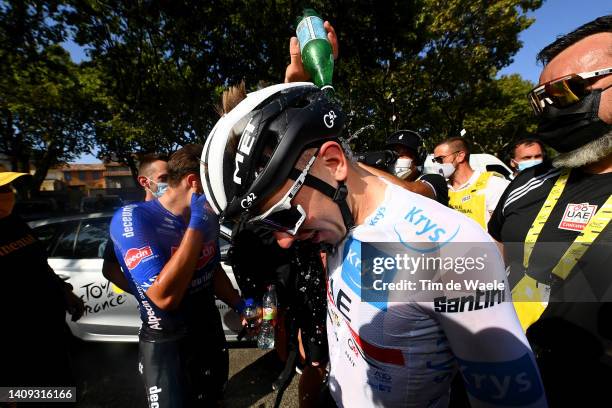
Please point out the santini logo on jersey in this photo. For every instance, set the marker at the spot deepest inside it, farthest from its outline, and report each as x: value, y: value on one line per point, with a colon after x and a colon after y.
x: 135, y: 255
x: 482, y: 300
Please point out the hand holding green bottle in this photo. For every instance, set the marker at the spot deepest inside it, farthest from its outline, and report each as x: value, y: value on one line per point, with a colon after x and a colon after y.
x: 295, y: 71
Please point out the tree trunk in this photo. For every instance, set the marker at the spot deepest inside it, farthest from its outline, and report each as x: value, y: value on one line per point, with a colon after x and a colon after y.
x: 42, y: 168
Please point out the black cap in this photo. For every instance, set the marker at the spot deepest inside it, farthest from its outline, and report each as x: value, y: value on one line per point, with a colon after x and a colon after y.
x: 407, y: 138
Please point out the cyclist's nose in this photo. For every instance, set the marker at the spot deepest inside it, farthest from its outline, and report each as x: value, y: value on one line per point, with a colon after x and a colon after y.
x: 283, y: 239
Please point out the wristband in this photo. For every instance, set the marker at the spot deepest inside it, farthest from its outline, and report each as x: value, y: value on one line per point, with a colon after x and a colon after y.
x: 239, y: 308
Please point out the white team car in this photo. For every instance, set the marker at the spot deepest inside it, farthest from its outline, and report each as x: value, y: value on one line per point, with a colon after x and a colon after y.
x: 75, y: 245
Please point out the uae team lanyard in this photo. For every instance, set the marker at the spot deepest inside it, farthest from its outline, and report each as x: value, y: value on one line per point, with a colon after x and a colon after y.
x: 582, y: 242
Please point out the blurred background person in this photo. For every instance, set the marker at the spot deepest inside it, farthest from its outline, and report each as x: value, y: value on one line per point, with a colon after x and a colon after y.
x: 401, y: 164
x: 153, y: 178
x: 410, y: 148
x: 526, y: 153
x: 33, y: 305
x: 474, y: 193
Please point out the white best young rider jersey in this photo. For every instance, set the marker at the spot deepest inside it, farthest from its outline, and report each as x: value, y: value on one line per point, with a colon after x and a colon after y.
x: 405, y: 354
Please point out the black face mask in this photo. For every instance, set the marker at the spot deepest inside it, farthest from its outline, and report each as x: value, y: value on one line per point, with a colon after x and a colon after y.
x: 566, y: 129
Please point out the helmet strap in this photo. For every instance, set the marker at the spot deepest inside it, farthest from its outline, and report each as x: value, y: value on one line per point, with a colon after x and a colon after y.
x: 338, y: 195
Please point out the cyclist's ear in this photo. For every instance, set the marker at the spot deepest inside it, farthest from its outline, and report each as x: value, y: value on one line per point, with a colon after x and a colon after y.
x: 333, y: 159
x: 144, y: 183
x: 193, y: 181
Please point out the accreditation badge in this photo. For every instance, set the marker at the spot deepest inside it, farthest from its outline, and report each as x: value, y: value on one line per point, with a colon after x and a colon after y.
x: 577, y: 216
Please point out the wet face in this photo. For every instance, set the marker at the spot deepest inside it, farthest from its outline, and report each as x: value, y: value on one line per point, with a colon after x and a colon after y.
x: 589, y: 54
x: 323, y: 222
x: 526, y: 152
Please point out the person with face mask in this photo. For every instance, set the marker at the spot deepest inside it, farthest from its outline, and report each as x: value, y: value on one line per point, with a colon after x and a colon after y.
x: 170, y: 250
x: 153, y: 178
x: 406, y: 172
x: 409, y: 146
x: 554, y: 220
x: 526, y: 153
x: 33, y: 304
x: 470, y: 192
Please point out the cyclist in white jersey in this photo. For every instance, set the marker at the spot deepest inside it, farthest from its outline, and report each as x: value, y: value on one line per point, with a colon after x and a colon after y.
x: 276, y: 160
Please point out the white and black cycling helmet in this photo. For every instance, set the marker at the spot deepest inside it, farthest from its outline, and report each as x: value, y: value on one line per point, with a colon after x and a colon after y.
x: 252, y: 151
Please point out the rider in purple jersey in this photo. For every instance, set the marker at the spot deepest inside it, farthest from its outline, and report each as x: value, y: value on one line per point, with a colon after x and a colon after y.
x: 146, y: 235
x: 169, y: 251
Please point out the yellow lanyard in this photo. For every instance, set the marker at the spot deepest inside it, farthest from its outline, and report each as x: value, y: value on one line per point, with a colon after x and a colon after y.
x: 582, y: 242
x: 540, y: 220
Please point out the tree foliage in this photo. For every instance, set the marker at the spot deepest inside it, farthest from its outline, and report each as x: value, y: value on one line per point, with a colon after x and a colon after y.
x: 503, y: 117
x: 156, y: 68
x: 44, y: 116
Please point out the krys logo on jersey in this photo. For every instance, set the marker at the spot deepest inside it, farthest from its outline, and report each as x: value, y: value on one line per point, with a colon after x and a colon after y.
x: 507, y: 383
x: 423, y: 225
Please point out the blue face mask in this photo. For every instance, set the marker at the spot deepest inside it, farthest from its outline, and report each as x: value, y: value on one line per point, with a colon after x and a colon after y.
x: 525, y: 164
x: 161, y: 188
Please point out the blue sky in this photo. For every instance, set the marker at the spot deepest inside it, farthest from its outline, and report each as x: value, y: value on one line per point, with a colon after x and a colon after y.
x: 554, y: 18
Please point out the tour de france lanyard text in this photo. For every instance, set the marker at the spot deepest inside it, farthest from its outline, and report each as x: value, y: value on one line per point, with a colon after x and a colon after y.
x: 582, y: 242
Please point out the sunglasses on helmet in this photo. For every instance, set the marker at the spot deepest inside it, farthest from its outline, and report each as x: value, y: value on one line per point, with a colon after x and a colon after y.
x: 283, y: 216
x: 565, y: 91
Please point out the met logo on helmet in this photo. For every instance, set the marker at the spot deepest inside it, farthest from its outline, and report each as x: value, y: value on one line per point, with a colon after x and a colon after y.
x: 134, y: 256
x: 244, y: 148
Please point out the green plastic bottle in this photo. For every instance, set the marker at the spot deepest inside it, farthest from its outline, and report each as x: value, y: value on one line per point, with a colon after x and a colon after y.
x: 316, y: 49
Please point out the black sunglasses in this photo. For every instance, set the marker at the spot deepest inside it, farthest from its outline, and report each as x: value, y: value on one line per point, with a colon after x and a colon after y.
x: 440, y: 159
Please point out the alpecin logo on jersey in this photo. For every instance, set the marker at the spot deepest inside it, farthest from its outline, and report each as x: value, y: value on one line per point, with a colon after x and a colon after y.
x: 209, y: 250
x: 134, y: 256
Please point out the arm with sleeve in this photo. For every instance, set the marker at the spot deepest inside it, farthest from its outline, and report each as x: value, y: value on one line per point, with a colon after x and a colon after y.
x: 492, y: 352
x: 164, y: 280
x: 111, y: 269
x: 138, y: 248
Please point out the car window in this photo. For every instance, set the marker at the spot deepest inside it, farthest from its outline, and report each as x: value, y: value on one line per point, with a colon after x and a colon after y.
x: 92, y: 239
x: 48, y: 234
x: 64, y: 248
